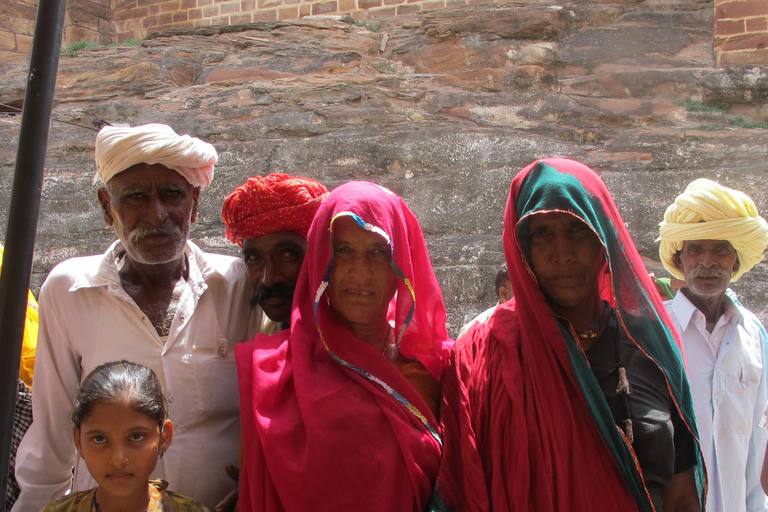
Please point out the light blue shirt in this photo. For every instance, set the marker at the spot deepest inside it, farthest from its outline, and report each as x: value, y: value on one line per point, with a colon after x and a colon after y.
x: 729, y: 396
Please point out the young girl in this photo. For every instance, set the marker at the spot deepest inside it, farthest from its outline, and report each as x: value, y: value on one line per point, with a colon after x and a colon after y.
x: 121, y: 429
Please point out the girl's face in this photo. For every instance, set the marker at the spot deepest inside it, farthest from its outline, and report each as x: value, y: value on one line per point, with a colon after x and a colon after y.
x: 121, y: 446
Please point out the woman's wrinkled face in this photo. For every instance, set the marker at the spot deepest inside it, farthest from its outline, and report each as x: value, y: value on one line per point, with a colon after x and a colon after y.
x: 362, y: 281
x: 566, y: 257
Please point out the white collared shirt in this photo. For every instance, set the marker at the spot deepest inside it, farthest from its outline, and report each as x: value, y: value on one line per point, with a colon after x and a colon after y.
x: 87, y: 319
x: 729, y: 395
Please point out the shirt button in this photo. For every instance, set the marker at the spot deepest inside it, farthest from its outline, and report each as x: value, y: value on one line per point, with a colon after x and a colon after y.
x: 181, y: 318
x: 170, y: 399
x: 114, y: 286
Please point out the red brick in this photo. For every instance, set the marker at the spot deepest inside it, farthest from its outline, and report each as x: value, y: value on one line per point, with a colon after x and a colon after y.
x: 248, y: 6
x: 754, y: 57
x: 142, y: 3
x: 170, y: 6
x: 368, y: 4
x: 220, y: 20
x: 729, y: 27
x: 291, y: 2
x: 347, y: 5
x: 289, y: 13
x: 241, y: 19
x: 203, y: 3
x: 154, y: 9
x: 7, y: 41
x: 150, y: 21
x: 165, y: 19
x: 407, y: 9
x: 210, y: 12
x: 270, y: 15
x: 757, y: 25
x: 195, y: 14
x: 124, y: 36
x: 388, y: 12
x: 131, y: 14
x: 304, y: 10
x: 124, y: 4
x: 184, y: 24
x: 746, y: 42
x: 326, y: 8
x: 229, y: 8
x: 741, y: 9
x: 23, y: 43
x: 432, y: 5
x: 179, y: 17
x: 265, y: 4
x: 393, y: 2
x: 188, y: 4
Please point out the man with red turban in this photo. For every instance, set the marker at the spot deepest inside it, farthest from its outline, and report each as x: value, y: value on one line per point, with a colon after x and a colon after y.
x: 269, y: 217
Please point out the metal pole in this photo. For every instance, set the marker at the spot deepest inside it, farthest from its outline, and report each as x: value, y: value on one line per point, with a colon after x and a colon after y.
x: 22, y: 215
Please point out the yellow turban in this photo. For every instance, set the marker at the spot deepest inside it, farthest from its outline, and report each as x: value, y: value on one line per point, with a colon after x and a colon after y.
x: 710, y: 211
x: 118, y: 148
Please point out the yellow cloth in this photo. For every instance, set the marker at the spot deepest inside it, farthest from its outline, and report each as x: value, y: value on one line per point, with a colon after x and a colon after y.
x: 118, y: 148
x: 29, y: 345
x: 710, y: 211
x: 160, y: 500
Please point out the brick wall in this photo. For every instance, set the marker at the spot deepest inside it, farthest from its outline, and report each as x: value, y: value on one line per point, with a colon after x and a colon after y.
x: 741, y: 32
x: 17, y: 21
x: 137, y: 18
x: 86, y: 20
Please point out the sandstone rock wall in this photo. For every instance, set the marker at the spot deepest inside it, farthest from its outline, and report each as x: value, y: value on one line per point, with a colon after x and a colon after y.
x: 443, y: 107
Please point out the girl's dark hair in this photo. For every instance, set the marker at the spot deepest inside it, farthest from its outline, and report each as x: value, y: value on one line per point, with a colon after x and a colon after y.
x: 121, y: 381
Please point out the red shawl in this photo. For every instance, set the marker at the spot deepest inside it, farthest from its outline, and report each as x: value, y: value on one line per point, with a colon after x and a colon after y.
x: 526, y: 427
x: 328, y: 422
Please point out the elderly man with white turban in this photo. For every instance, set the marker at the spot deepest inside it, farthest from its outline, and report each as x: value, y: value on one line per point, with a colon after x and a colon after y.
x: 153, y: 298
x: 711, y: 236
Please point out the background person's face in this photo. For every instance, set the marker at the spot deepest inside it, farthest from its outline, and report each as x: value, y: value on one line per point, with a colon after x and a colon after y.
x: 566, y: 257
x: 362, y: 281
x: 272, y: 265
x: 707, y: 266
x: 152, y: 208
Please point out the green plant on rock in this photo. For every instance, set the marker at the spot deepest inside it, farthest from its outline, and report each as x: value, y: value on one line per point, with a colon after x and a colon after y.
x: 716, y: 105
x: 364, y: 24
x: 709, y: 127
x: 741, y: 122
x: 73, y: 49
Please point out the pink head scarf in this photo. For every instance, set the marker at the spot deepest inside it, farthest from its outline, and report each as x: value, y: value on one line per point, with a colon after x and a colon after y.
x: 328, y: 422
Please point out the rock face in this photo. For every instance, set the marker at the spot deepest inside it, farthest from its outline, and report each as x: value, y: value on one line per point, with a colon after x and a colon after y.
x: 442, y: 107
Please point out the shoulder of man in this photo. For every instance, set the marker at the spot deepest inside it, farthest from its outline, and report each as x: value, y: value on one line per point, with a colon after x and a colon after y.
x: 64, y: 274
x: 752, y: 324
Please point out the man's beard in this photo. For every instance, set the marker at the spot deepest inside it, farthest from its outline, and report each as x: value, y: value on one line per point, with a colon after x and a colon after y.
x: 264, y: 293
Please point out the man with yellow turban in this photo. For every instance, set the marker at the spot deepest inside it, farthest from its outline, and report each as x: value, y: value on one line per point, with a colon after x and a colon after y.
x: 711, y: 236
x: 269, y: 217
x: 153, y: 298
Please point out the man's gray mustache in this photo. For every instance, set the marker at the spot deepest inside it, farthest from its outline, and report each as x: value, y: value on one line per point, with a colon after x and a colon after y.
x: 142, y: 232
x: 716, y: 271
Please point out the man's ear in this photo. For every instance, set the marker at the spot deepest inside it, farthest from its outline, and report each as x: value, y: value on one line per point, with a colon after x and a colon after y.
x: 196, y: 198
x: 737, y: 266
x: 678, y: 261
x: 104, y: 199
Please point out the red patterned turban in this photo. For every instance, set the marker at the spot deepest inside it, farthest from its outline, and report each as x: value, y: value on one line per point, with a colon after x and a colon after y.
x: 268, y: 204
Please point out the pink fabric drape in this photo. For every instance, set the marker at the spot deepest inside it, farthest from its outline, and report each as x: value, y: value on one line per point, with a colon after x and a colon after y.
x: 335, y: 426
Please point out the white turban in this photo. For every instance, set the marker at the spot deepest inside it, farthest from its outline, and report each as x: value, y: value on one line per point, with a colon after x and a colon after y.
x: 118, y: 148
x: 710, y: 211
